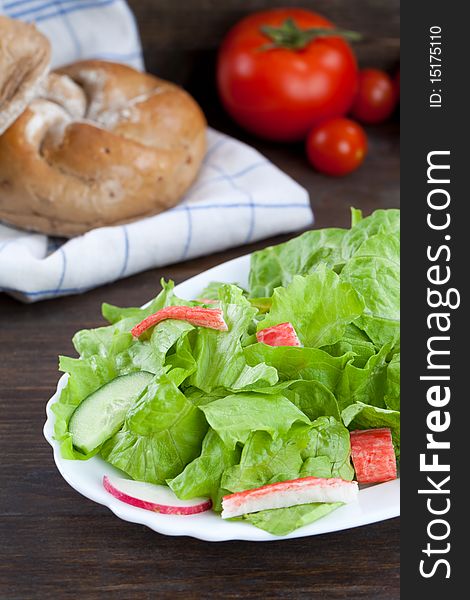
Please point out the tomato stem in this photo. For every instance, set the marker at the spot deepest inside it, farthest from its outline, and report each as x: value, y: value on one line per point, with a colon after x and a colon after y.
x: 290, y: 35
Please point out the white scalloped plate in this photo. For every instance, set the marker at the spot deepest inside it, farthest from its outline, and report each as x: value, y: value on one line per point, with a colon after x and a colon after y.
x: 376, y: 503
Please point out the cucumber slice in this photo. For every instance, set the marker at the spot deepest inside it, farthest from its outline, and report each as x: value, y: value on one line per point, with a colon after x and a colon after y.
x: 102, y: 413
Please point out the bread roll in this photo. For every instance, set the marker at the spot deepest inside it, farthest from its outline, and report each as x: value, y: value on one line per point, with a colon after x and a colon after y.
x: 24, y: 62
x: 102, y: 144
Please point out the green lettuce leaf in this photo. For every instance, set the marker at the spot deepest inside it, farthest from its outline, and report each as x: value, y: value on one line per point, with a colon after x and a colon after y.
x: 320, y: 449
x: 374, y: 272
x: 356, y: 341
x: 85, y: 377
x: 110, y: 351
x: 380, y: 221
x: 219, y: 355
x: 133, y: 315
x: 365, y: 416
x: 356, y: 216
x: 235, y: 417
x: 211, y: 291
x: 313, y: 399
x: 277, y: 265
x: 319, y: 306
x: 201, y: 477
x: 326, y: 449
x: 181, y: 360
x: 165, y: 335
x: 293, y: 363
x: 392, y: 385
x: 263, y: 460
x: 282, y: 521
x: 365, y: 384
x: 163, y: 432
x: 118, y: 346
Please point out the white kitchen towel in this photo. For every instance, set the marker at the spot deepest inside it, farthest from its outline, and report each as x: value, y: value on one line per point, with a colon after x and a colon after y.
x: 239, y: 196
x: 80, y: 29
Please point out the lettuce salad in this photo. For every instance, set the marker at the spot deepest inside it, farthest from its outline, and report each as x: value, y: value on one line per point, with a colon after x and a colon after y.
x: 224, y: 413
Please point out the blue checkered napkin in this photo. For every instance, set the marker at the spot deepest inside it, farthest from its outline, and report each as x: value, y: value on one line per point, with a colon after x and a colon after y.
x: 239, y: 196
x: 80, y: 29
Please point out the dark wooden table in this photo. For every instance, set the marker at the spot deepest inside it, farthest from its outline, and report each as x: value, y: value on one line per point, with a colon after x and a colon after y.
x: 56, y: 544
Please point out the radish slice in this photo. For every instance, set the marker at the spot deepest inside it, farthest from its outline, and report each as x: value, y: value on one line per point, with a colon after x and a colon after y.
x: 157, y: 498
x: 195, y: 315
x: 289, y: 493
x: 208, y: 301
x: 279, y: 335
x: 373, y: 455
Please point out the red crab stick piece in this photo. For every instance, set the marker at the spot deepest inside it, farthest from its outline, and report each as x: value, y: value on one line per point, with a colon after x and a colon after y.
x: 289, y: 493
x: 279, y: 335
x: 373, y: 455
x: 195, y: 315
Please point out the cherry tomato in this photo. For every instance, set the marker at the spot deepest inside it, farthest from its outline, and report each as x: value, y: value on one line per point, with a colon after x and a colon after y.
x: 376, y: 97
x: 396, y: 82
x: 337, y: 146
x: 280, y: 71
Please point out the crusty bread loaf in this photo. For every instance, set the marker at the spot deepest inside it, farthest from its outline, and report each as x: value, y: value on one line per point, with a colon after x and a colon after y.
x: 24, y: 61
x: 103, y: 144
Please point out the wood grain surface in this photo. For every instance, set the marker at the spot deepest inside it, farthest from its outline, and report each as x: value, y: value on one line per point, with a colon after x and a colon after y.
x: 55, y: 543
x: 181, y: 38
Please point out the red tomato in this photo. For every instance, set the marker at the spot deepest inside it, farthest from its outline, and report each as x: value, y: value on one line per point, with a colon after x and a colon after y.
x: 337, y: 146
x: 396, y: 81
x: 276, y: 77
x: 376, y: 97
